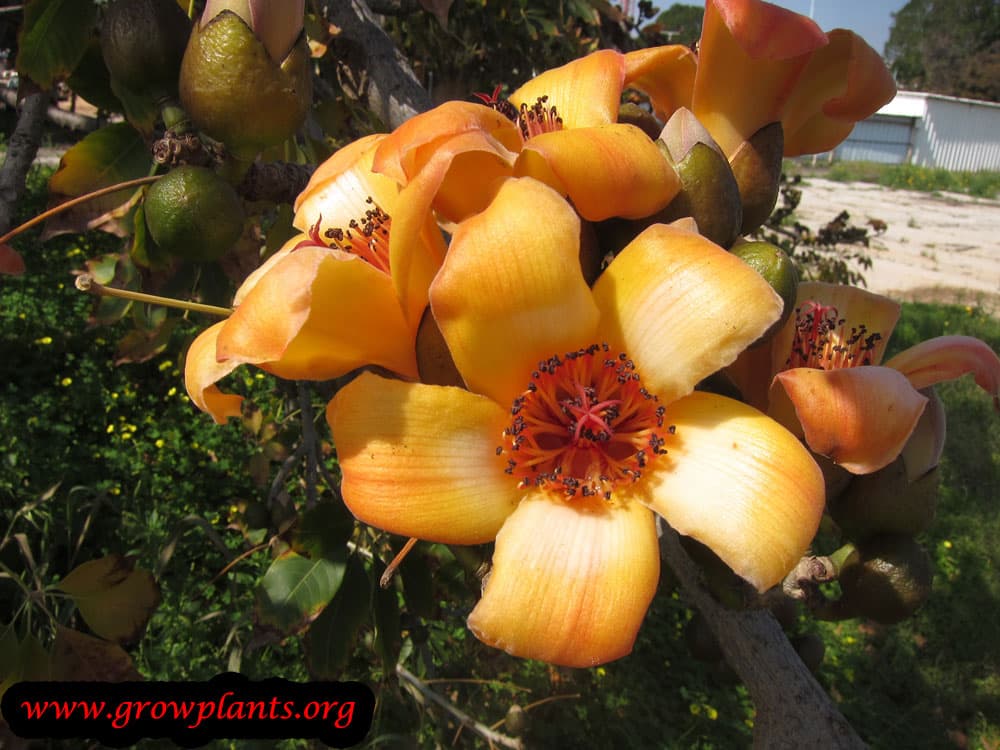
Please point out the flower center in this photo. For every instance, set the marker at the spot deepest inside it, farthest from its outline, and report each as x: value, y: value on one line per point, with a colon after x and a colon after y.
x: 367, y: 237
x: 823, y: 342
x: 532, y: 121
x: 584, y: 425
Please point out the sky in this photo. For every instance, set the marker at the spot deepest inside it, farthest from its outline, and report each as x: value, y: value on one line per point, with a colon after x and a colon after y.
x: 870, y: 19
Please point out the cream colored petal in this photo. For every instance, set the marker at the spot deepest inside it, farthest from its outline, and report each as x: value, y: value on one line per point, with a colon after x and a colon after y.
x: 585, y: 92
x: 854, y: 305
x: 614, y: 170
x: 202, y: 371
x: 861, y: 417
x: 343, y: 188
x: 681, y: 307
x: 665, y: 73
x: 947, y: 358
x: 571, y: 581
x: 317, y: 314
x: 739, y: 483
x: 420, y: 460
x: 511, y: 292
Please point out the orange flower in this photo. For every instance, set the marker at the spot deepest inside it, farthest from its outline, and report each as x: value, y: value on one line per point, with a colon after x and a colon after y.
x: 759, y: 63
x: 561, y: 128
x: 579, y: 421
x: 822, y: 377
x: 349, y: 293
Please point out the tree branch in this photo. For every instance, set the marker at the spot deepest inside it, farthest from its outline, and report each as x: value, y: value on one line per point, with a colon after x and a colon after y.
x: 793, y: 710
x: 21, y: 151
x: 394, y: 94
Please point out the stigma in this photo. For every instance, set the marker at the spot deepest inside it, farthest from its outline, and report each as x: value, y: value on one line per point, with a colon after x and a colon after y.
x: 823, y: 341
x: 366, y: 236
x: 585, y: 426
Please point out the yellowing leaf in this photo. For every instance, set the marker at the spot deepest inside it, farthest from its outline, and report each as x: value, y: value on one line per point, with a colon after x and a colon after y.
x: 77, y: 657
x: 115, y: 600
x: 113, y: 154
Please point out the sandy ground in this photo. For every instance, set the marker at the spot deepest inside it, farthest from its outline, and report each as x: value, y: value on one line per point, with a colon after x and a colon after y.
x: 937, y: 247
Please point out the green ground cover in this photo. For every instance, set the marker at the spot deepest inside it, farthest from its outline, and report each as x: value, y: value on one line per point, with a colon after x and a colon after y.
x: 97, y: 458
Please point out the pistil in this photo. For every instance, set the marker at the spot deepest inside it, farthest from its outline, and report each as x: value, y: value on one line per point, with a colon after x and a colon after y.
x: 584, y: 426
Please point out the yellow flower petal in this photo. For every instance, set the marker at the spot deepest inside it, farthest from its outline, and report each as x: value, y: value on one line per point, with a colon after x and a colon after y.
x: 860, y: 416
x: 202, y: 370
x: 665, y: 73
x: 420, y: 460
x: 511, y: 292
x: 272, y: 260
x: 585, y: 92
x: 947, y: 358
x: 856, y: 306
x: 571, y: 581
x: 615, y: 170
x: 844, y: 82
x: 409, y: 147
x: 739, y: 483
x: 681, y: 307
x: 318, y: 314
x: 750, y: 55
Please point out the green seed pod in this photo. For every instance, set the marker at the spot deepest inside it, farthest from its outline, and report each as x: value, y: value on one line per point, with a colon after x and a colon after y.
x: 886, y: 502
x: 777, y: 269
x: 142, y: 42
x: 891, y: 581
x: 194, y: 214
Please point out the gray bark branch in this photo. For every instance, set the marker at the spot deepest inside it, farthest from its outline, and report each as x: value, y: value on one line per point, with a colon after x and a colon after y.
x: 793, y: 710
x: 394, y: 94
x: 21, y: 151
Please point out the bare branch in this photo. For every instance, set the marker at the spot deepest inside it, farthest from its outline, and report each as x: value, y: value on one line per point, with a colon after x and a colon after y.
x: 793, y: 710
x: 394, y: 94
x: 21, y: 151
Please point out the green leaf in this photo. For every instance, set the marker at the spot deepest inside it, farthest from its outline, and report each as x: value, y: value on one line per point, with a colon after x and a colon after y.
x: 114, y: 599
x: 294, y: 590
x: 332, y: 636
x: 105, y: 157
x: 324, y: 530
x: 91, y: 79
x: 53, y: 38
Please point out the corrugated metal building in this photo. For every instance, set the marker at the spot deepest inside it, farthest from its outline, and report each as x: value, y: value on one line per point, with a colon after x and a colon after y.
x: 929, y: 130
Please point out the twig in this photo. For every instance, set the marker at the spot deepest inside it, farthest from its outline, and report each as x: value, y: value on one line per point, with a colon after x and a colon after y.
x: 286, y: 470
x: 310, y: 443
x: 463, y: 718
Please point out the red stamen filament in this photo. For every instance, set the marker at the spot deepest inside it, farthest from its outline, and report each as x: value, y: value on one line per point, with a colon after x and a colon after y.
x: 538, y: 119
x: 584, y: 425
x: 822, y: 340
x: 368, y: 238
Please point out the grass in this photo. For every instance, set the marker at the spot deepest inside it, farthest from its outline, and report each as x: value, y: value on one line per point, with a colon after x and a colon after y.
x: 123, y: 447
x: 909, y: 177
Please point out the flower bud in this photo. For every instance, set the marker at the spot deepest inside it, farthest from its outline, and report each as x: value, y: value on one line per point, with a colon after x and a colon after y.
x: 234, y: 87
x: 886, y: 502
x: 778, y: 270
x: 756, y: 164
x: 709, y: 193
